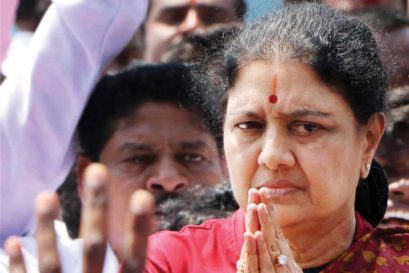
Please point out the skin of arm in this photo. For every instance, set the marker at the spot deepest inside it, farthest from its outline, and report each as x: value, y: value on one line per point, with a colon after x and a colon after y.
x: 41, y: 103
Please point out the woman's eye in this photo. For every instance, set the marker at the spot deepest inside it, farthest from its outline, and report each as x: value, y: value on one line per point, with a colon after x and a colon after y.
x: 248, y: 125
x: 305, y: 129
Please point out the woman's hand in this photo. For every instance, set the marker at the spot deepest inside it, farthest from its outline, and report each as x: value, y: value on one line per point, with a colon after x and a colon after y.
x: 265, y: 249
x: 93, y: 229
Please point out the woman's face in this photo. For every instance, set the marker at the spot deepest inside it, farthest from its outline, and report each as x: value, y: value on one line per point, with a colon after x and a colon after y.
x: 307, y: 148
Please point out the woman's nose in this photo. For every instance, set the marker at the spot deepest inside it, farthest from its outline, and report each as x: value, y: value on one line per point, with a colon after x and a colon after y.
x: 275, y: 153
x: 167, y: 178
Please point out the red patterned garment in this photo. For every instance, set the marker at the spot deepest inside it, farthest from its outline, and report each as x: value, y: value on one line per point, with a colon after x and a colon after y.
x: 381, y: 250
x: 215, y: 246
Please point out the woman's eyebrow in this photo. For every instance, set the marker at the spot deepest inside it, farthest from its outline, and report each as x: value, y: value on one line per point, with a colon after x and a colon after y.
x: 243, y: 113
x: 308, y: 112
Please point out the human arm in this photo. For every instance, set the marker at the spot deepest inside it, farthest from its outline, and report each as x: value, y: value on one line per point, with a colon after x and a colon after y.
x: 41, y: 103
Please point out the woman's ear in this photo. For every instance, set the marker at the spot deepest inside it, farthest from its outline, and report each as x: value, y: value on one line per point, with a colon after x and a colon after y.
x: 80, y: 166
x: 373, y: 134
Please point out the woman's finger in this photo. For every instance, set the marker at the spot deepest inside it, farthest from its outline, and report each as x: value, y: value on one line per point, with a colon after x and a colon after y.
x: 252, y: 257
x: 93, y: 228
x: 140, y: 226
x: 253, y: 196
x: 291, y: 265
x: 270, y: 226
x: 277, y: 244
x: 16, y: 261
x: 267, y: 228
x: 47, y: 207
x: 264, y: 258
x: 252, y: 221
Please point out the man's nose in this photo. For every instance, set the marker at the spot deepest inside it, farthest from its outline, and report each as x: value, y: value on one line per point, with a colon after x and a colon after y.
x: 191, y: 23
x: 275, y: 152
x: 167, y: 178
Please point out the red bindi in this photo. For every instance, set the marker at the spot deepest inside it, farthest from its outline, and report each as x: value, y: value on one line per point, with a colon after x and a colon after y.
x: 273, y: 98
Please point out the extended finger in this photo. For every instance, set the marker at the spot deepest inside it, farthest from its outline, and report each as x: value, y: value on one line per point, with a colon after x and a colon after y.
x: 93, y: 217
x: 274, y: 231
x: 252, y: 222
x: 267, y: 228
x: 253, y: 196
x: 264, y: 259
x: 252, y: 256
x: 13, y: 249
x: 273, y: 235
x: 47, y: 207
x: 140, y: 226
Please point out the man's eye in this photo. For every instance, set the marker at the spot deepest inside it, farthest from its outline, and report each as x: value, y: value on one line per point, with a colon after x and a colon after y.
x: 173, y: 17
x: 248, y: 125
x: 141, y: 159
x: 191, y: 158
x: 305, y: 129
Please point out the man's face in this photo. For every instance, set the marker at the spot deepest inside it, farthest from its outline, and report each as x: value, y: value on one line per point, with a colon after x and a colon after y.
x: 349, y: 5
x: 393, y: 152
x: 395, y: 53
x: 170, y: 20
x: 161, y: 148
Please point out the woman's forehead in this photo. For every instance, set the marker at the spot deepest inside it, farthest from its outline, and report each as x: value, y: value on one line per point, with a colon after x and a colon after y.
x: 296, y: 86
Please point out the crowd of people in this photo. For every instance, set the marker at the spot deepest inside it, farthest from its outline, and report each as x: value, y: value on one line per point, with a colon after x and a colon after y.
x: 174, y: 136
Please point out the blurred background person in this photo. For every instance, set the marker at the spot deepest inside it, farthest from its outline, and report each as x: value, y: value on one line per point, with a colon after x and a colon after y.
x: 144, y: 125
x: 169, y: 22
x: 196, y: 205
x: 391, y: 30
x: 393, y: 154
x: 351, y: 5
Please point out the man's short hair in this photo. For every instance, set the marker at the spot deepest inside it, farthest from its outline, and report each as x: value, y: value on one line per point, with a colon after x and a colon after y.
x: 117, y: 97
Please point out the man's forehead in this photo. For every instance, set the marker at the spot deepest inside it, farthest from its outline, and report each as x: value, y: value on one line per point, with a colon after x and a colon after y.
x: 150, y: 145
x: 161, y: 4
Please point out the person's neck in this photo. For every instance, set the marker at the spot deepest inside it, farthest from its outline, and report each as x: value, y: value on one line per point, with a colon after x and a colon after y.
x: 316, y: 244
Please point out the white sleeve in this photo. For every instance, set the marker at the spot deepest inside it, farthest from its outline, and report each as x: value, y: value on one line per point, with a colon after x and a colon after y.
x: 41, y: 104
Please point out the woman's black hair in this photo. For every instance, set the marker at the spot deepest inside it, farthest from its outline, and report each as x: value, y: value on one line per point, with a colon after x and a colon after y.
x: 340, y: 49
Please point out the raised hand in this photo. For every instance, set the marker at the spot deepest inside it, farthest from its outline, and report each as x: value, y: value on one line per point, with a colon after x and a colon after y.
x: 93, y: 229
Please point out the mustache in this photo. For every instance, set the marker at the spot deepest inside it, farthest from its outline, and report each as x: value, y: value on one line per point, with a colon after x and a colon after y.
x: 162, y: 197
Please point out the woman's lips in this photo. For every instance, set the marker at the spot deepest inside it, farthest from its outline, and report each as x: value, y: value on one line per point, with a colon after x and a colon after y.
x: 279, y: 188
